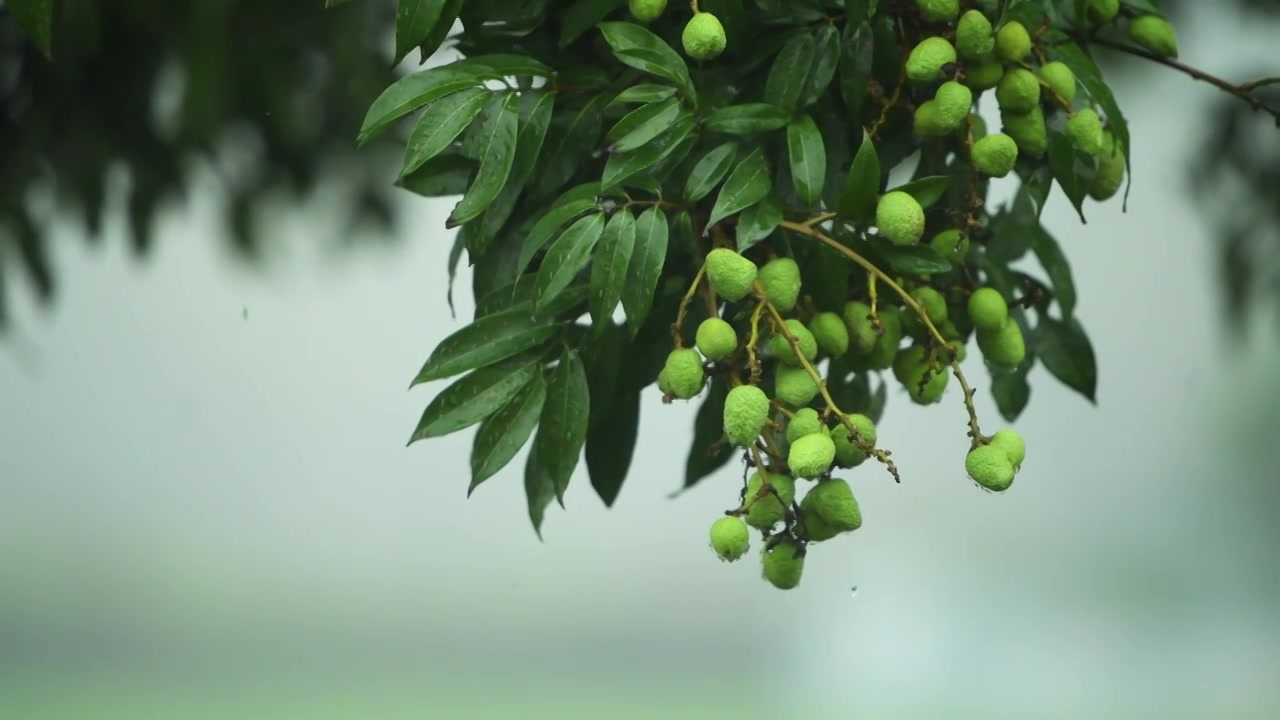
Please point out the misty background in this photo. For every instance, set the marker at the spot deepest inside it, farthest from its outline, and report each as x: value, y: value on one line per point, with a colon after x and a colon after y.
x: 207, y: 508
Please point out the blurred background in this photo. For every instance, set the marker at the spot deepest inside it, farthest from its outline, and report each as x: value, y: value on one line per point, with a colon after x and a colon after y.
x: 207, y: 509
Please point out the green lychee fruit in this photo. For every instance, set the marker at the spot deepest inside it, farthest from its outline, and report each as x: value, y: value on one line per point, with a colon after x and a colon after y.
x: 765, y: 512
x: 704, y: 37
x: 954, y: 101
x: 794, y: 386
x: 730, y: 538
x: 781, y: 348
x: 832, y: 500
x: 848, y: 453
x: 857, y: 320
x: 783, y: 565
x: 1013, y: 42
x: 780, y: 278
x: 1028, y: 131
x: 934, y: 387
x: 664, y: 383
x: 746, y: 410
x: 907, y: 361
x: 730, y: 274
x: 988, y: 309
x: 806, y: 421
x: 995, y: 155
x: 952, y: 244
x: 1109, y: 176
x: 1011, y: 443
x: 981, y: 75
x: 900, y: 218
x: 935, y: 306
x: 927, y: 120
x: 716, y: 339
x: 974, y: 36
x: 886, y: 347
x: 1154, y: 34
x: 1104, y: 11
x: 939, y: 10
x: 684, y: 372
x: 989, y: 466
x: 977, y: 127
x: 646, y: 11
x: 829, y: 330
x: 928, y: 58
x: 811, y: 455
x: 1084, y: 127
x: 1019, y: 91
x: 815, y: 528
x: 1004, y: 347
x: 1060, y: 79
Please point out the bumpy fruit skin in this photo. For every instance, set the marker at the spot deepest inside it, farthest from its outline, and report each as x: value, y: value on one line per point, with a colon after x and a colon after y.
x: 811, y: 455
x: 805, y: 422
x: 716, y: 339
x: 704, y: 37
x: 927, y: 120
x: 935, y: 306
x: 646, y: 11
x: 1012, y: 445
x: 1019, y: 91
x: 763, y: 513
x: 730, y: 538
x: 1154, y: 33
x: 906, y: 361
x: 974, y: 37
x: 1104, y: 11
x: 989, y: 467
x: 1028, y: 131
x: 848, y: 454
x: 783, y: 565
x: 730, y: 274
x: 664, y: 383
x: 1110, y: 173
x: 746, y: 409
x: 780, y: 278
x: 793, y: 386
x: 954, y: 101
x: 900, y: 218
x: 951, y: 244
x: 939, y: 10
x: 829, y: 330
x: 684, y: 372
x: 832, y: 499
x: 927, y: 59
x: 983, y: 75
x: 995, y: 155
x: 1013, y: 42
x: 886, y: 347
x: 1060, y: 79
x: 933, y: 388
x: 1004, y: 347
x: 1084, y: 127
x: 988, y: 309
x: 862, y: 334
x: 815, y: 528
x: 780, y: 348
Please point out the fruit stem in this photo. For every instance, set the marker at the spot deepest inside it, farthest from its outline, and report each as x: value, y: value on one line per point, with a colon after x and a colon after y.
x: 753, y: 363
x: 677, y: 326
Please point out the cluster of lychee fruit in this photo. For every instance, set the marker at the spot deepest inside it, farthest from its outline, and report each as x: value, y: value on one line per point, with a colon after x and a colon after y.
x: 703, y: 37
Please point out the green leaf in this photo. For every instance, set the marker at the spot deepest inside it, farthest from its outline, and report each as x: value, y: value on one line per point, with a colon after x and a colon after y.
x: 1065, y: 351
x: 568, y: 206
x: 504, y: 433
x: 488, y: 340
x: 1011, y: 392
x: 642, y: 125
x: 582, y: 16
x: 790, y: 69
x: 533, y: 131
x: 1055, y: 265
x: 1090, y: 77
x: 858, y: 202
x: 826, y: 58
x: 647, y: 260
x: 757, y: 223
x: 413, y: 91
x: 415, y: 19
x: 927, y: 190
x: 913, y: 259
x: 448, y: 16
x: 611, y: 443
x: 706, y: 453
x: 565, y: 258
x: 618, y: 169
x: 855, y: 66
x: 639, y: 48
x: 539, y: 488
x: 440, y: 124
x: 1072, y: 169
x: 748, y: 184
x: 475, y: 396
x: 334, y: 3
x: 497, y: 152
x: 35, y: 19
x: 643, y: 94
x: 562, y: 428
x: 746, y: 119
x: 609, y: 267
x: 572, y: 141
x: 808, y: 158
x: 440, y: 176
x: 709, y: 171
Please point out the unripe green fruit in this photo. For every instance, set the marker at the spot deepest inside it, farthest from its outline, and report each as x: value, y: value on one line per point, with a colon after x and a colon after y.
x: 1013, y: 42
x: 832, y: 500
x: 664, y: 383
x: 1004, y: 347
x: 1028, y: 131
x: 1060, y: 79
x: 780, y: 278
x: 780, y: 347
x: 815, y: 528
x: 1155, y: 34
x: 793, y: 386
x: 746, y: 410
x: 1012, y: 445
x: 981, y: 75
x: 857, y: 320
x: 927, y: 121
x: 935, y: 306
x: 704, y: 37
x: 848, y: 453
x: 646, y: 11
x: 1110, y: 173
x: 989, y: 466
x: 974, y: 36
x: 730, y: 274
x: 763, y: 513
x: 886, y: 347
x: 829, y: 330
x: 1104, y: 11
x: 927, y: 59
x: 954, y: 101
x: 716, y: 339
x: 730, y: 538
x: 995, y: 155
x: 979, y: 127
x: 933, y: 388
x: 806, y: 421
x: 1019, y: 91
x: 988, y: 309
x: 811, y: 455
x: 900, y: 218
x: 783, y: 565
x: 1085, y: 130
x: 684, y: 372
x: 951, y: 244
x: 939, y: 10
